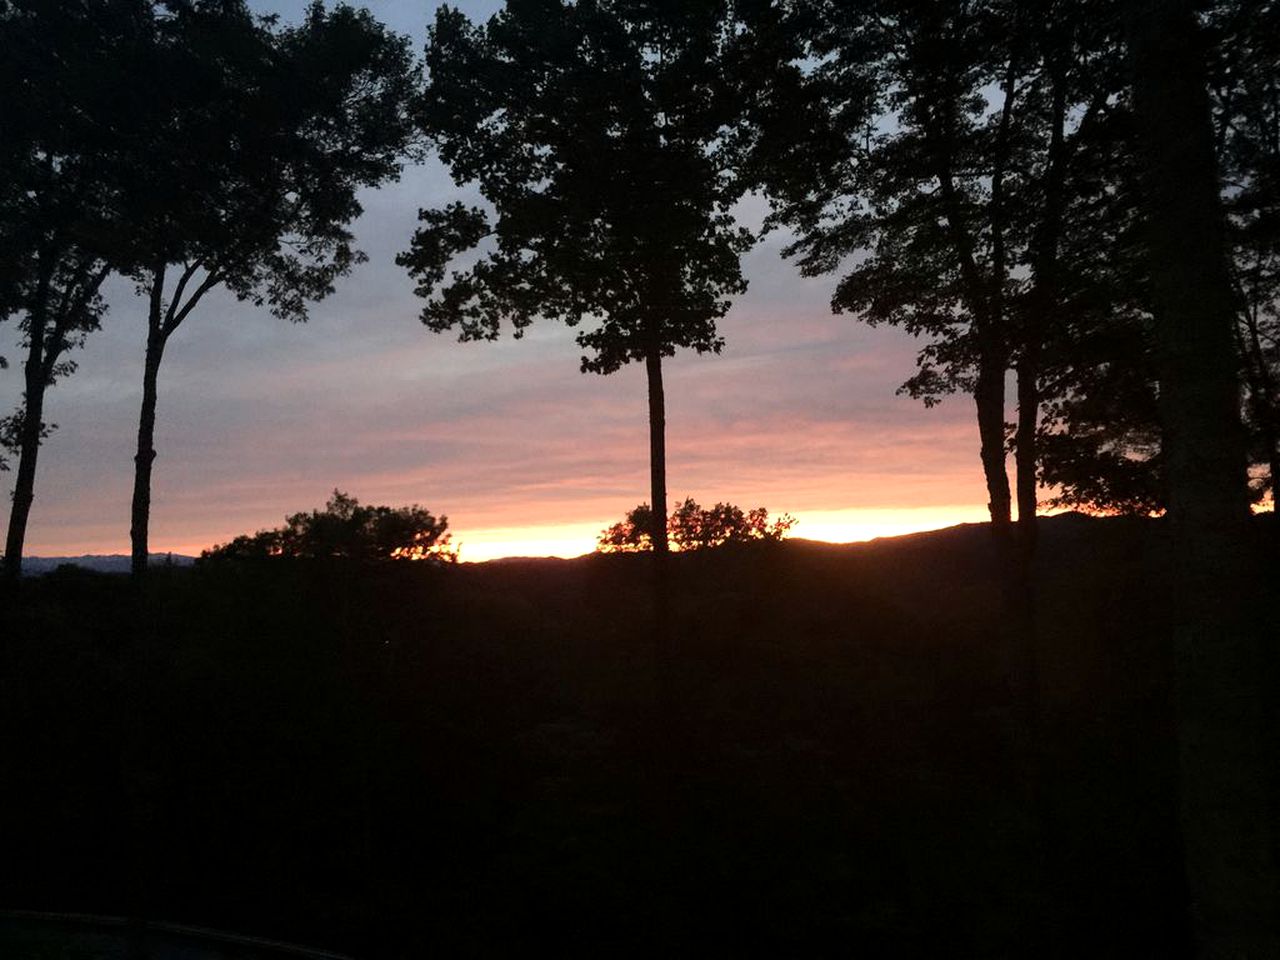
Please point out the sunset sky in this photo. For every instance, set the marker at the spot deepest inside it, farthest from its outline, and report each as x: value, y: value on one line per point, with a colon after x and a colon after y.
x: 258, y: 418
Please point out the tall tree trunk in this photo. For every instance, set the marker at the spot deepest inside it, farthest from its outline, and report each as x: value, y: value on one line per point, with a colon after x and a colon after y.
x: 1025, y: 447
x: 28, y: 451
x: 1044, y: 300
x: 666, y: 701
x: 983, y: 295
x: 988, y: 392
x: 657, y: 449
x: 146, y: 453
x: 35, y: 381
x: 1226, y: 754
x: 994, y: 362
x: 988, y: 395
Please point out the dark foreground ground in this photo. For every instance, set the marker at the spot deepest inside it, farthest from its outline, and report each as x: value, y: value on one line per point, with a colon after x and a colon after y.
x: 822, y: 758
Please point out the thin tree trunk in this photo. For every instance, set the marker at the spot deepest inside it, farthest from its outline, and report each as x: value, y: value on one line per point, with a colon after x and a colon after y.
x: 146, y: 453
x: 657, y: 450
x: 666, y: 701
x: 984, y: 298
x: 1226, y: 751
x: 1025, y: 448
x: 161, y: 322
x: 28, y: 452
x: 1044, y: 300
x: 988, y: 395
x: 993, y: 326
x: 35, y: 382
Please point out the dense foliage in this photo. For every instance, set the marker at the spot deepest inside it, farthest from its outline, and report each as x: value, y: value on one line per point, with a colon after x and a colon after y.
x: 187, y: 146
x: 691, y: 527
x: 594, y: 132
x: 955, y: 163
x: 69, y: 80
x: 347, y: 529
x: 1243, y: 39
x: 289, y: 124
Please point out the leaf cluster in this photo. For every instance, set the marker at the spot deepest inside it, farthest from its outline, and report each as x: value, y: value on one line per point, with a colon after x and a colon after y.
x: 1245, y: 89
x: 70, y: 83
x: 255, y: 142
x: 691, y: 527
x: 922, y: 168
x: 594, y: 132
x: 347, y: 529
x: 969, y: 171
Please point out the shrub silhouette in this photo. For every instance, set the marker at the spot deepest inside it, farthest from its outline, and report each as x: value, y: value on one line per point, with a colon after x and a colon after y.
x: 690, y: 527
x: 346, y: 528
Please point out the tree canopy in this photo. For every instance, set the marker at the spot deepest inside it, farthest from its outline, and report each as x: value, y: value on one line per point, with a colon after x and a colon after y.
x: 188, y: 144
x: 691, y: 527
x: 254, y: 151
x: 954, y: 162
x: 348, y: 529
x: 594, y: 132
x: 71, y: 79
x: 1244, y: 87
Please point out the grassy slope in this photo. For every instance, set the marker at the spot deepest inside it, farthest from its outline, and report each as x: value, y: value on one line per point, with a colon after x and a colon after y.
x: 481, y: 759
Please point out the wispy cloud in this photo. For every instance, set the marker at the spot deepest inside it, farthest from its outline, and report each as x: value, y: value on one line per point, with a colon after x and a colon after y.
x: 259, y: 418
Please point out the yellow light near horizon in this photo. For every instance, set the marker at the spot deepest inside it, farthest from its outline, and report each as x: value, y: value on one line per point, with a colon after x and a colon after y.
x: 831, y: 526
x: 856, y: 524
x: 567, y: 540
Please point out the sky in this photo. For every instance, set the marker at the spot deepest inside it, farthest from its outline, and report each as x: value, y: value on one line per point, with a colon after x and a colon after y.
x: 258, y: 418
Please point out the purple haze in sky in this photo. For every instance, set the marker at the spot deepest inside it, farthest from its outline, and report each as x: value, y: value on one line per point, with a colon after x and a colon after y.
x: 258, y: 418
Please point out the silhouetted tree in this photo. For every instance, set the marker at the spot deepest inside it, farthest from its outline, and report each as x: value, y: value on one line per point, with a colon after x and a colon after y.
x: 1244, y: 79
x: 69, y: 75
x: 593, y: 129
x: 1226, y: 735
x: 348, y: 529
x: 257, y: 144
x: 1101, y: 438
x: 690, y: 527
x: 937, y: 148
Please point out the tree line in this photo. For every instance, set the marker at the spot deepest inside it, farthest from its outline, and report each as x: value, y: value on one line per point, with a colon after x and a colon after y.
x: 971, y: 172
x: 186, y: 146
x: 1080, y: 195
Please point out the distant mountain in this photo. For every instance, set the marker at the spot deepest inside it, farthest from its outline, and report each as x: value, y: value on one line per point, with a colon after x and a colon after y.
x: 99, y: 563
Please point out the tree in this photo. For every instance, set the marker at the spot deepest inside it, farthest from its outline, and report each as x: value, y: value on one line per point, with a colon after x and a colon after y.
x: 1101, y: 438
x: 257, y: 142
x: 594, y: 131
x: 1244, y: 83
x: 1225, y: 728
x: 931, y: 152
x: 1100, y: 441
x: 68, y: 72
x: 349, y: 530
x: 690, y: 527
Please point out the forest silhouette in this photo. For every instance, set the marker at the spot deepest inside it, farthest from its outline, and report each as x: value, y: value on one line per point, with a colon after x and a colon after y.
x: 1048, y: 737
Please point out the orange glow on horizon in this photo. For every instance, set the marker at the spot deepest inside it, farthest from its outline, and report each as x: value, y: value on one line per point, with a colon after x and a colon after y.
x: 851, y: 525
x: 855, y: 525
x: 495, y: 543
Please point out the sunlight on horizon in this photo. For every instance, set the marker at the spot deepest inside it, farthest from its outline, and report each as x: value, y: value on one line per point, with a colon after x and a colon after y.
x: 850, y: 525
x: 568, y: 540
